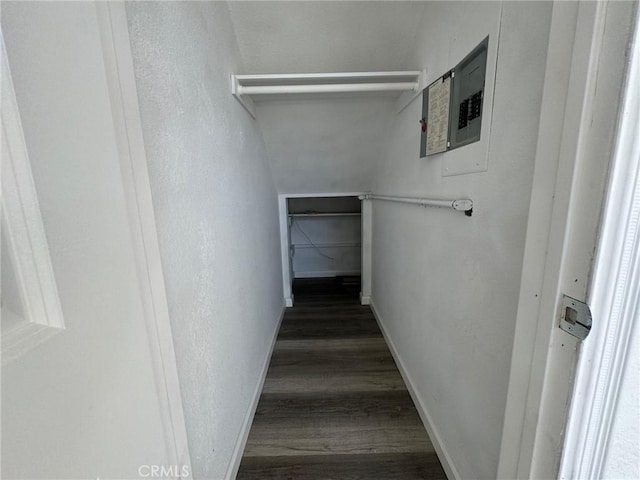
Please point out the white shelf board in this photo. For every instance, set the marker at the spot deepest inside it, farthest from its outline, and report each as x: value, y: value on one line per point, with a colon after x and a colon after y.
x: 326, y: 245
x: 327, y: 78
x: 337, y: 214
x: 248, y: 88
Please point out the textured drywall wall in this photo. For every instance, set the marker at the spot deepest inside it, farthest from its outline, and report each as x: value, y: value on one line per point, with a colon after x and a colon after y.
x: 317, y: 36
x: 325, y: 145
x: 216, y: 210
x: 445, y: 285
x: 84, y: 403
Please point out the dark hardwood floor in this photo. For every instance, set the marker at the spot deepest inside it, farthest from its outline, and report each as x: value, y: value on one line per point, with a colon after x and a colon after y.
x: 334, y: 405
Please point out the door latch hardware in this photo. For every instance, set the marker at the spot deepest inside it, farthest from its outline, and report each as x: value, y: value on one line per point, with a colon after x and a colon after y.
x: 575, y: 317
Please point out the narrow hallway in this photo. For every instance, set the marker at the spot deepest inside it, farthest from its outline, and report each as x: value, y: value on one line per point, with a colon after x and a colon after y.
x: 334, y: 404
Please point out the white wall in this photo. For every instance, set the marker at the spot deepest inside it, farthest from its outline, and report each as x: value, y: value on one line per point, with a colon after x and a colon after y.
x: 306, y: 37
x: 83, y: 404
x: 216, y: 209
x: 324, y: 145
x: 446, y: 286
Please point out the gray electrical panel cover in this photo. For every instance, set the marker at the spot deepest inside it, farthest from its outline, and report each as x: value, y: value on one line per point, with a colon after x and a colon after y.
x: 465, y: 118
x: 463, y: 90
x: 423, y: 121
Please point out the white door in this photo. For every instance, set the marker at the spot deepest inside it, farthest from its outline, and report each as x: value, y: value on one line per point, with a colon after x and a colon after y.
x: 603, y: 434
x: 585, y: 74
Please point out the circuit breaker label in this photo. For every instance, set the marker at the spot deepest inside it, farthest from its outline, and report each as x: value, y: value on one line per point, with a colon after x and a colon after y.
x: 438, y: 115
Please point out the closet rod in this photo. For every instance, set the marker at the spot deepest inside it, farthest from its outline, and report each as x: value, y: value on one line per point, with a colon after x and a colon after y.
x: 328, y: 88
x: 462, y: 204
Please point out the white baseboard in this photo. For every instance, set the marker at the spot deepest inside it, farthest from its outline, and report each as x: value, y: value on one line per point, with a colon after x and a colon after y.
x: 436, y: 439
x: 288, y: 302
x: 365, y: 299
x: 236, y: 458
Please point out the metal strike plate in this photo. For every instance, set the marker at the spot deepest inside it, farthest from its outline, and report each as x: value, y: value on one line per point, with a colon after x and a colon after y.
x: 575, y: 317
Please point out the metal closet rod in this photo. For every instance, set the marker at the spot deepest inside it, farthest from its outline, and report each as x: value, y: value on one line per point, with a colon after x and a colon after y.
x: 461, y: 204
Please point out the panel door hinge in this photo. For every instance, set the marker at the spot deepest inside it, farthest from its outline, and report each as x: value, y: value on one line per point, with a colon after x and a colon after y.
x: 575, y: 317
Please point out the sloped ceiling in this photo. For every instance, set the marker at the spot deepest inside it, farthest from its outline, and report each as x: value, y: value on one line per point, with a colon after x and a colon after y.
x: 325, y: 36
x: 325, y: 144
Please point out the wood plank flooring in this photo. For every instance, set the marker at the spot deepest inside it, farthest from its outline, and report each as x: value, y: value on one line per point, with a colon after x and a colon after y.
x: 334, y: 405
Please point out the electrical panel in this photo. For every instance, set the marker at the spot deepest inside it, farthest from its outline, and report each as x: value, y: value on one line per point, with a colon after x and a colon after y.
x: 452, y: 106
x: 466, y: 97
x: 436, y: 99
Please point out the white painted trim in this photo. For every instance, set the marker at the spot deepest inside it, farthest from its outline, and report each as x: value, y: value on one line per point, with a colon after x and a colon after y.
x: 243, y: 436
x: 367, y: 251
x: 112, y: 21
x: 285, y: 253
x: 25, y: 235
x: 325, y: 78
x: 583, y: 79
x: 614, y: 298
x: 21, y: 215
x: 321, y: 194
x: 287, y: 267
x: 434, y: 436
x: 556, y: 85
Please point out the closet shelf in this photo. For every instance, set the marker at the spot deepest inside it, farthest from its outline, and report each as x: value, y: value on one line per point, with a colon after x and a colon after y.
x: 337, y: 214
x: 249, y: 88
x: 326, y: 245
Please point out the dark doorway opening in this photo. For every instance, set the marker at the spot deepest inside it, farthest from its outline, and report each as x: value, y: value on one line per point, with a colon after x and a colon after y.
x: 325, y: 235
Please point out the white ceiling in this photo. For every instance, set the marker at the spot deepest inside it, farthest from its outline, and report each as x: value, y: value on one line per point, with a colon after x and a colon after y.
x: 326, y: 36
